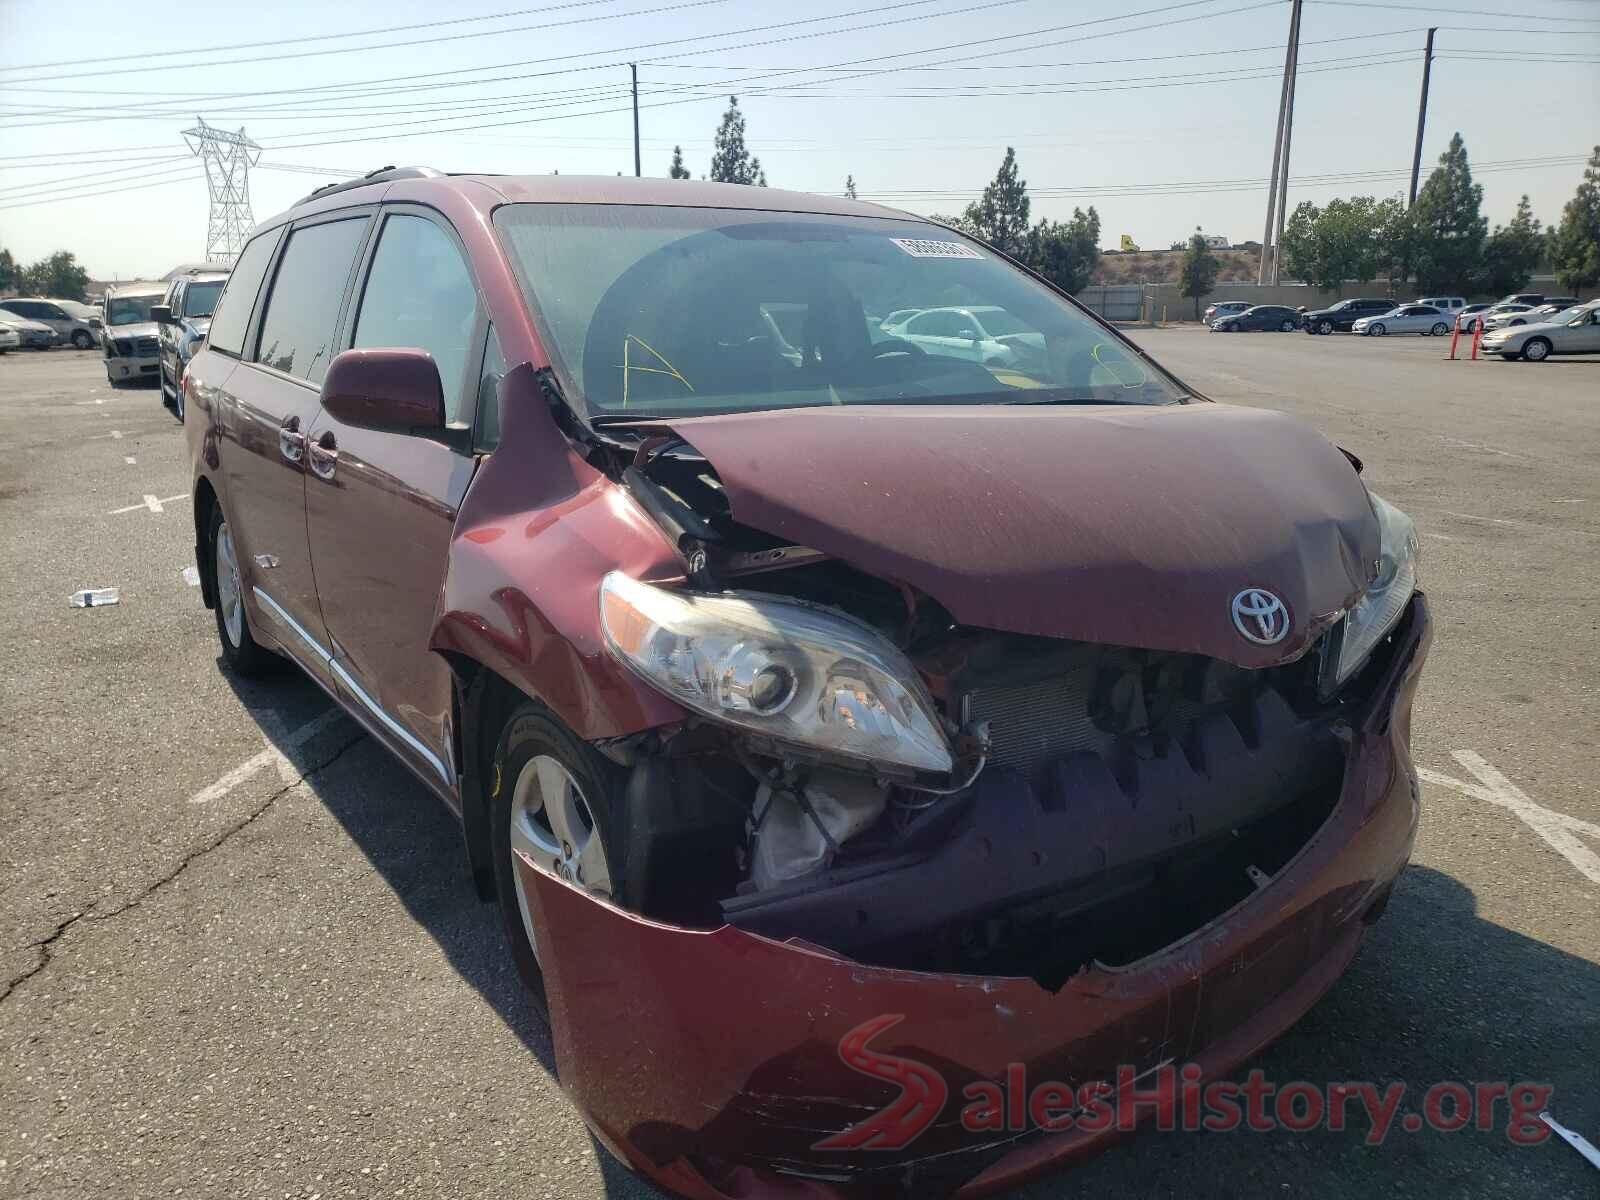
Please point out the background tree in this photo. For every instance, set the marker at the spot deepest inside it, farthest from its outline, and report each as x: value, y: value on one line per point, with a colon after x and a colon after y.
x: 1575, y: 243
x: 59, y: 277
x: 1330, y: 246
x: 1199, y: 274
x: 732, y: 162
x: 8, y: 271
x: 1448, y: 225
x: 1065, y: 252
x: 849, y: 187
x: 677, y: 170
x: 1511, y: 253
x: 1395, y: 243
x: 1000, y: 217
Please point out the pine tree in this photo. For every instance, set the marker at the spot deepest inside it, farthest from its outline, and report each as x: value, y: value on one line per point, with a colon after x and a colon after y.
x: 1575, y: 243
x: 678, y: 170
x: 732, y: 162
x: 849, y: 187
x: 1001, y: 216
x: 1512, y: 252
x: 1448, y: 224
x: 1199, y: 270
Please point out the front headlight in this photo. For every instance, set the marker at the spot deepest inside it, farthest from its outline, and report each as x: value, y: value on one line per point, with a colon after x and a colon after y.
x: 777, y: 667
x: 1386, y: 596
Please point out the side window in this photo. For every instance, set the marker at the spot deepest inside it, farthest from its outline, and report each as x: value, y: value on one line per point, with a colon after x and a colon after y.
x: 419, y: 293
x: 303, y: 307
x: 233, y: 312
x: 24, y: 308
x: 493, y: 370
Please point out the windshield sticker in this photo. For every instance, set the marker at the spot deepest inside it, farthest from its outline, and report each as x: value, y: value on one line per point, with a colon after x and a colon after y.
x: 931, y: 248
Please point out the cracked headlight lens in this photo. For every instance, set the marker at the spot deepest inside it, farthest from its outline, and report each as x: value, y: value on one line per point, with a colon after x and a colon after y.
x: 778, y: 667
x: 1386, y: 596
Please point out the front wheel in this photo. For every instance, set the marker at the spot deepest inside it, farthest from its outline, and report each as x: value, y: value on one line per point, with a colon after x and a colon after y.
x: 1325, y: 327
x: 1376, y: 330
x: 557, y: 803
x: 1536, y: 350
x: 177, y: 399
x: 239, y: 650
x: 1518, y: 321
x: 81, y: 339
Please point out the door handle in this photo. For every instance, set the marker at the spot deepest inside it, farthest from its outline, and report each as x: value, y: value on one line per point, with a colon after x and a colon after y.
x: 291, y: 442
x: 325, y: 455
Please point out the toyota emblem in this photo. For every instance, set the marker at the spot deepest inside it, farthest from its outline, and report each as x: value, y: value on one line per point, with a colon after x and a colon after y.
x: 1260, y: 617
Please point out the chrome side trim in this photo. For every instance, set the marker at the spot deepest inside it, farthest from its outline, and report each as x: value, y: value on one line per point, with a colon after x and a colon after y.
x: 389, y: 723
x: 277, y: 610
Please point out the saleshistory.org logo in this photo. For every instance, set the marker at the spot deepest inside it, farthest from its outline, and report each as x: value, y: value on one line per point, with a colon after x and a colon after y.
x: 1175, y: 1097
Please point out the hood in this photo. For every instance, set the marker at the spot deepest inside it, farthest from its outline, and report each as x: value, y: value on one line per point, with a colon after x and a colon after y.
x: 134, y: 329
x: 1132, y: 526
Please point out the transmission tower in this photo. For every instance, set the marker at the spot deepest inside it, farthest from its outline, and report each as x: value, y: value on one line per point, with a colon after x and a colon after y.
x: 228, y: 158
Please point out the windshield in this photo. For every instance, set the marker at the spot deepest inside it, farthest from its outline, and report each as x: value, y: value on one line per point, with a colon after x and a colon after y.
x: 1566, y: 314
x: 129, y: 310
x: 656, y: 311
x: 201, y: 298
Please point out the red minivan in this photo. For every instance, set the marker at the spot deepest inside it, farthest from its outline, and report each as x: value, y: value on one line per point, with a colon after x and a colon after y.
x: 848, y: 715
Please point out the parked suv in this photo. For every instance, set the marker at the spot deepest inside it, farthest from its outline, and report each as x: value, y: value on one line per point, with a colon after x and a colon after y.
x: 130, y: 344
x: 777, y: 692
x: 182, y: 319
x: 1446, y: 304
x: 1344, y: 314
x: 70, y: 328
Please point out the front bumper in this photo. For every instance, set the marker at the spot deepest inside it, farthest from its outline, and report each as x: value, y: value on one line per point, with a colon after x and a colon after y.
x: 713, y: 1063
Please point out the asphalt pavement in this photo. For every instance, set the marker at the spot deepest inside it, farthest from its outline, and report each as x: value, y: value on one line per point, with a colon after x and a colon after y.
x: 240, y: 956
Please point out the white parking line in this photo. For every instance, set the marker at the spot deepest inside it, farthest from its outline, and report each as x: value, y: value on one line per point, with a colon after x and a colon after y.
x: 272, y: 756
x: 1560, y: 831
x: 150, y: 503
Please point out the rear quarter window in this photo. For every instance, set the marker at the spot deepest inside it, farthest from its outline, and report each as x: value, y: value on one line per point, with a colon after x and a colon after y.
x: 239, y: 297
x: 298, y: 329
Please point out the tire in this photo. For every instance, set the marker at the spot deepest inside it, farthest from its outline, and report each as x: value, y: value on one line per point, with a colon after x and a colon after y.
x: 1536, y: 349
x: 1439, y: 329
x: 534, y: 750
x: 1325, y: 327
x: 240, y: 651
x: 177, y: 400
x: 1518, y: 321
x: 1376, y: 330
x: 1287, y: 327
x: 81, y: 339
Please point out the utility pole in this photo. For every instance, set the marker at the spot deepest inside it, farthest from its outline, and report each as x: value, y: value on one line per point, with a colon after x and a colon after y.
x: 1290, y: 56
x: 1422, y: 115
x: 1288, y: 138
x: 633, y: 68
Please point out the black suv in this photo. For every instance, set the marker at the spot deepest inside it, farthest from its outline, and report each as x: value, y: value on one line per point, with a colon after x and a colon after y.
x: 184, y: 316
x: 1343, y: 315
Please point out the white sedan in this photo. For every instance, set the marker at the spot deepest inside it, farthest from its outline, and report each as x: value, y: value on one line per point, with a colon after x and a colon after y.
x: 10, y: 339
x: 1572, y: 331
x: 1408, y: 318
x: 982, y: 333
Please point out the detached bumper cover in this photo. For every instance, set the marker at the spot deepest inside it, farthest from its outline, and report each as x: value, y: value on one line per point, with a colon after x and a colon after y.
x: 711, y: 1061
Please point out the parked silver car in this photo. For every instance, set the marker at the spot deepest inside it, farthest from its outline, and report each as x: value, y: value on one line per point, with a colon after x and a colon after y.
x: 1571, y: 331
x: 69, y: 327
x: 132, y: 343
x: 1408, y: 318
x: 32, y: 335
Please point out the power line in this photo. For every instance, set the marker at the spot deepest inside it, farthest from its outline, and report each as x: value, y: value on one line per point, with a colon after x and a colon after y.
x: 186, y: 173
x: 1461, y: 12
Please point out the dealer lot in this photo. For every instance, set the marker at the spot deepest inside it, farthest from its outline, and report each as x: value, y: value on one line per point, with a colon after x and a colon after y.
x: 241, y: 955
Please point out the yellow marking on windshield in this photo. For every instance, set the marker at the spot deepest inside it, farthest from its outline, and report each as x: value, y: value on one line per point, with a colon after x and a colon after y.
x: 1112, y: 366
x: 628, y: 368
x: 1016, y: 379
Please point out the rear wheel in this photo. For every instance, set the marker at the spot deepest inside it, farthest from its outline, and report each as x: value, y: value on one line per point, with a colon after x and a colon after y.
x: 1536, y: 349
x: 1288, y: 326
x: 239, y: 650
x: 558, y: 803
x: 1439, y: 329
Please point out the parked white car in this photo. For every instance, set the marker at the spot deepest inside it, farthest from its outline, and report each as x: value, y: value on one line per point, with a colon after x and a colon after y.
x: 10, y: 339
x: 1450, y: 304
x: 982, y: 334
x: 1503, y: 315
x: 1408, y: 318
x: 1572, y: 331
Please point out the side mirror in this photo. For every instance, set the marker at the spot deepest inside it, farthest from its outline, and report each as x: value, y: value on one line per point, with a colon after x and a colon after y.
x: 394, y: 390
x: 161, y: 314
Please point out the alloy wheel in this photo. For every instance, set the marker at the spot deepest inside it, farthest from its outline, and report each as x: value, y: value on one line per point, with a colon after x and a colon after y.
x: 1536, y: 350
x: 230, y: 587
x: 551, y: 823
x: 1325, y: 327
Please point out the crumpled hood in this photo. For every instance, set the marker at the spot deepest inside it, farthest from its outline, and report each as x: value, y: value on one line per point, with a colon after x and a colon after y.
x: 1133, y: 526
x: 133, y: 330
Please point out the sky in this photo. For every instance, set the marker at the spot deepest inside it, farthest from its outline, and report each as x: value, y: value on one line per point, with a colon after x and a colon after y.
x: 1160, y: 113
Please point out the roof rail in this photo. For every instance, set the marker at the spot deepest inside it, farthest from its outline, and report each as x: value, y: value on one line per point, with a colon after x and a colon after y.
x: 382, y: 175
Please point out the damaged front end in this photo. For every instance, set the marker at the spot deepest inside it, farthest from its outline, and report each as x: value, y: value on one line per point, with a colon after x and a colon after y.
x: 1037, y: 850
